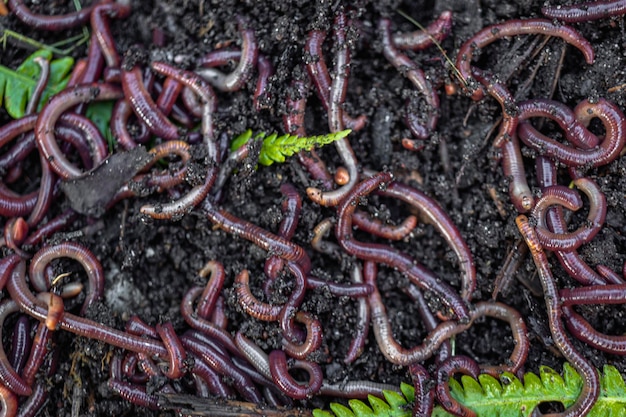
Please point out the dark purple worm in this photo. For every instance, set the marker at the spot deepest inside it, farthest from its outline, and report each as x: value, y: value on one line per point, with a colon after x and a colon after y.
x: 590, y: 379
x: 177, y: 355
x: 593, y: 294
x: 609, y: 149
x: 337, y: 289
x: 572, y: 240
x: 33, y: 404
x: 575, y: 130
x: 49, y: 23
x: 513, y: 28
x: 21, y: 343
x: 357, y: 344
x: 55, y: 224
x: 450, y: 366
x: 79, y: 253
x: 313, y: 338
x: 261, y: 98
x: 418, y: 274
x: 9, y: 377
x: 8, y: 401
x: 249, y: 54
x: 410, y: 70
x: 582, y: 330
x: 58, y: 104
x: 122, y: 111
x: 41, y: 341
x: 44, y: 75
x: 281, y: 377
x: 211, y: 378
x: 144, y: 107
x: 587, y: 11
x: 102, y: 31
x: 167, y: 103
x: 436, y: 32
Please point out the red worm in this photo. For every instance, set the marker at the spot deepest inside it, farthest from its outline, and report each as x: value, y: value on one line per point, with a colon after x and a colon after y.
x: 514, y: 28
x: 44, y: 75
x: 21, y: 343
x: 386, y: 231
x: 119, y: 122
x: 609, y: 149
x: 177, y: 355
x: 582, y: 330
x: 102, y: 31
x: 79, y: 253
x: 261, y: 98
x: 9, y: 377
x: 313, y: 337
x: 571, y: 240
x: 58, y: 104
x: 208, y: 299
x: 38, y: 353
x: 134, y: 393
x: 49, y: 23
x: 249, y: 54
x: 590, y: 379
x: 8, y: 400
x: 424, y: 390
x: 250, y: 304
x: 410, y: 70
x: 436, y: 32
x: 281, y: 377
x: 584, y: 12
x: 593, y: 294
x: 357, y: 345
x: 144, y: 107
x: 449, y: 367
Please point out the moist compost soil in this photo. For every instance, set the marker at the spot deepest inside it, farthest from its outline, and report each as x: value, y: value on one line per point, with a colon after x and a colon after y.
x: 149, y: 264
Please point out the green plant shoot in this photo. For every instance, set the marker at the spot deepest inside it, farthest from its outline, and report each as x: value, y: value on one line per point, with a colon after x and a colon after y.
x: 276, y: 148
x: 17, y: 86
x: 508, y: 397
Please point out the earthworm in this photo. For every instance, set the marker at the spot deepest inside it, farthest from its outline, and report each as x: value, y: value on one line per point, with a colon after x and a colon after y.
x: 79, y: 253
x: 514, y: 27
x: 424, y: 390
x: 94, y: 65
x: 410, y: 70
x: 319, y: 243
x: 129, y: 368
x: 281, y: 377
x: 9, y: 401
x: 19, y: 291
x: 593, y: 294
x: 224, y: 366
x: 416, y: 273
x: 318, y: 72
x: 250, y: 304
x: 119, y: 121
x: 575, y: 130
x: 47, y: 185
x: 590, y: 379
x: 56, y: 308
x: 52, y: 111
x: 207, y: 300
x: 337, y: 289
x: 166, y: 102
x: 609, y: 275
x: 9, y: 377
x: 21, y: 343
x: 440, y: 220
x: 102, y: 31
x: 201, y: 324
x: 261, y: 98
x: 313, y: 336
x: 249, y: 54
x: 219, y: 58
x: 14, y: 205
x: 570, y: 261
x: 41, y: 340
x: 134, y: 393
x: 446, y: 369
x: 168, y: 95
x: 587, y: 11
x: 176, y: 353
x: 253, y: 354
x: 218, y: 316
x: 199, y: 192
x: 609, y: 149
x: 436, y: 32
x: 49, y: 23
x: 210, y: 377
x: 144, y: 107
x: 357, y: 344
x: 257, y: 235
x: 44, y: 75
x: 582, y: 330
x: 386, y: 231
x: 15, y: 231
x: 356, y: 389
x: 572, y: 240
x: 34, y: 403
x: 53, y: 225
x: 336, y: 98
x: 288, y: 312
x: 293, y: 123
x: 506, y: 141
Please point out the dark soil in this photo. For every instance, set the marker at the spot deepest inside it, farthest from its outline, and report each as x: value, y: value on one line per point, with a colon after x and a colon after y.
x: 151, y: 264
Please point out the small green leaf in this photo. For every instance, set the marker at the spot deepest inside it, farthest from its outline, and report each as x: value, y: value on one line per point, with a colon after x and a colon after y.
x: 17, y: 86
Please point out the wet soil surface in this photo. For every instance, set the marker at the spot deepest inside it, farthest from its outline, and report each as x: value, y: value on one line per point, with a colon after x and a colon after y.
x: 150, y: 264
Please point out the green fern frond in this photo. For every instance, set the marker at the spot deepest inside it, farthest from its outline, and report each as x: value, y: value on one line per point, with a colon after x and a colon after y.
x: 17, y: 86
x: 508, y: 397
x: 276, y: 148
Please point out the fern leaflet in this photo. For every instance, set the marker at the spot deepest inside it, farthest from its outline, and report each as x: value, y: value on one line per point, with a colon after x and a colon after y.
x: 276, y: 148
x: 508, y: 397
x: 17, y: 86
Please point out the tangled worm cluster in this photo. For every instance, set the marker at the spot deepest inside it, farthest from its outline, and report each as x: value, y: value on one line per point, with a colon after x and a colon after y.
x: 172, y: 111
